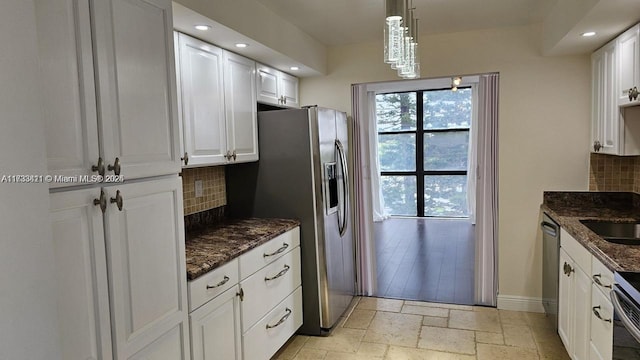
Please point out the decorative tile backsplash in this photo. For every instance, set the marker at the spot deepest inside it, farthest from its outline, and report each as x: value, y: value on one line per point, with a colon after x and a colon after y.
x: 214, y: 192
x: 614, y: 173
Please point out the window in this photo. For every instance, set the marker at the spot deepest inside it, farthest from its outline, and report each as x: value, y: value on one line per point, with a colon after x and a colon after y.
x: 423, y: 146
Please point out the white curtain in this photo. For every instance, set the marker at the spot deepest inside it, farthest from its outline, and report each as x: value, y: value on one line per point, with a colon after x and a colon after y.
x: 487, y: 192
x: 473, y: 157
x: 366, y: 175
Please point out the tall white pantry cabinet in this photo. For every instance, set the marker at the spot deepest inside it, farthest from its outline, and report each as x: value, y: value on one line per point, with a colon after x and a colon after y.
x: 108, y: 89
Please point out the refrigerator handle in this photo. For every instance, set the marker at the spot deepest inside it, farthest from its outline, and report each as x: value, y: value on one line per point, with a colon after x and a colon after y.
x: 342, y: 223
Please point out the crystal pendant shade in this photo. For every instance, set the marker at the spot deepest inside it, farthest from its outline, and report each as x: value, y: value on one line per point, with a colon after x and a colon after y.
x: 401, y: 39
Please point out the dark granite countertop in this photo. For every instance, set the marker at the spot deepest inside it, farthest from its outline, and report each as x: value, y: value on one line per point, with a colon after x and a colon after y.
x: 568, y: 208
x: 210, y: 247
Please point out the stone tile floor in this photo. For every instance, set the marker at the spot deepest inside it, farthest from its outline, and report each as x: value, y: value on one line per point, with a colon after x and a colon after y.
x: 392, y: 329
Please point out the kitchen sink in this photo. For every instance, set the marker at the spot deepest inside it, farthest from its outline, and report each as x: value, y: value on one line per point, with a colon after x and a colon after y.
x: 618, y: 233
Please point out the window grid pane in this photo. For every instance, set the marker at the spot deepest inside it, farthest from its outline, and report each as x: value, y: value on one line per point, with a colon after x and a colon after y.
x: 445, y: 195
x: 399, y: 194
x: 446, y: 150
x: 396, y: 112
x: 446, y: 109
x: 397, y: 152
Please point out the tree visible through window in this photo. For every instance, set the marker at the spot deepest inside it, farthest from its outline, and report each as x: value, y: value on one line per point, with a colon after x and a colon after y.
x: 423, y: 145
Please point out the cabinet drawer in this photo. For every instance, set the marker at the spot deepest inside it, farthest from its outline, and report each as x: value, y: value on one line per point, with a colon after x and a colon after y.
x: 580, y: 255
x: 273, y: 330
x: 269, y: 286
x: 267, y: 253
x: 212, y: 284
x: 601, y: 275
x: 601, y: 329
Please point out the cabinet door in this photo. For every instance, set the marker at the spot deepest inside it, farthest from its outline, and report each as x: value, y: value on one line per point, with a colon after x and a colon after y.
x: 147, y: 266
x: 268, y: 85
x: 136, y: 86
x: 582, y: 317
x: 605, y: 113
x: 289, y: 90
x: 628, y: 64
x: 202, y: 100
x: 601, y: 325
x: 81, y: 273
x: 215, y: 328
x: 68, y: 88
x: 240, y: 105
x: 566, y: 301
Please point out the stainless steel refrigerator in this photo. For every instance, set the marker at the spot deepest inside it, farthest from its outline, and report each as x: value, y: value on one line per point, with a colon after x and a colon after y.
x: 303, y: 173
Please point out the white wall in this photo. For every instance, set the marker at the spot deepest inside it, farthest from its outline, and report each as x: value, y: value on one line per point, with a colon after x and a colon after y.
x: 543, y: 127
x: 28, y: 323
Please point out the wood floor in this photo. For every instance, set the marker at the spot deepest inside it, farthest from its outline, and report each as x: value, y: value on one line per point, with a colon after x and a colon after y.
x: 425, y: 259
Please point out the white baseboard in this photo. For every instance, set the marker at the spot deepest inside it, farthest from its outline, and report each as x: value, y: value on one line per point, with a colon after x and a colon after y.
x: 520, y: 303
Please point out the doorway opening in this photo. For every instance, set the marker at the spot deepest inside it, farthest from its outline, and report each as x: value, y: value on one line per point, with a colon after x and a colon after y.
x: 425, y: 251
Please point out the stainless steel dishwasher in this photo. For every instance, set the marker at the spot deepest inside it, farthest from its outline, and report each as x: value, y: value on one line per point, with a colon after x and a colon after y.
x: 550, y: 267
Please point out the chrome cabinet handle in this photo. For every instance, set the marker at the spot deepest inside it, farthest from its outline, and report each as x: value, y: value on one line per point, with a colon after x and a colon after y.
x: 185, y: 158
x: 281, y: 273
x: 597, y: 146
x: 228, y: 155
x: 596, y: 279
x: 118, y: 200
x: 279, y: 251
x: 241, y: 294
x: 234, y: 155
x: 597, y: 313
x: 115, y: 167
x: 282, y: 319
x: 99, y: 168
x: 102, y: 201
x: 224, y: 281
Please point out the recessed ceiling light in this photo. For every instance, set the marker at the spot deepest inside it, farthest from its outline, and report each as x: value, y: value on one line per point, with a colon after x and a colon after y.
x: 294, y: 68
x: 202, y: 27
x: 241, y: 45
x: 588, y: 33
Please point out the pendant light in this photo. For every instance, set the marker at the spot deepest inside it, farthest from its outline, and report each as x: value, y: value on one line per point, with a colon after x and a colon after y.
x: 401, y: 38
x: 393, y: 29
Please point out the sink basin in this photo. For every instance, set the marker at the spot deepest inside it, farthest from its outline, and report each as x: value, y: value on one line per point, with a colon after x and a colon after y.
x: 618, y: 233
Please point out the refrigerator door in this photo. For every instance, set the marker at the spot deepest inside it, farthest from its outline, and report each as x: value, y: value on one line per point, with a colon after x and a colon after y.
x: 338, y: 241
x: 348, y: 246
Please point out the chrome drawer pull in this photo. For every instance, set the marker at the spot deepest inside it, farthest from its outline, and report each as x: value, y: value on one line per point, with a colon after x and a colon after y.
x: 282, y: 319
x: 279, y: 251
x: 597, y: 313
x: 596, y: 279
x: 224, y: 281
x: 282, y: 272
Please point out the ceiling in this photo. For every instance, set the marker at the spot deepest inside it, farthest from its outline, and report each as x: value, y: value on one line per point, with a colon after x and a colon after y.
x: 340, y: 22
x: 286, y: 33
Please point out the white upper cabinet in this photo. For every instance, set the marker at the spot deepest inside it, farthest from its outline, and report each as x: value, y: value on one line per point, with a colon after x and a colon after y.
x: 147, y: 268
x: 202, y: 101
x: 628, y: 67
x: 67, y: 86
x: 289, y: 90
x: 605, y: 113
x: 276, y: 88
x: 108, y: 86
x: 136, y: 87
x: 240, y: 105
x: 218, y: 109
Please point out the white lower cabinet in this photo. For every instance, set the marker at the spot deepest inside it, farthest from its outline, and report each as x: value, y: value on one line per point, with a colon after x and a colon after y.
x: 249, y: 307
x: 273, y: 330
x: 584, y: 309
x: 147, y: 267
x: 601, y: 346
x: 215, y: 328
x: 81, y: 274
